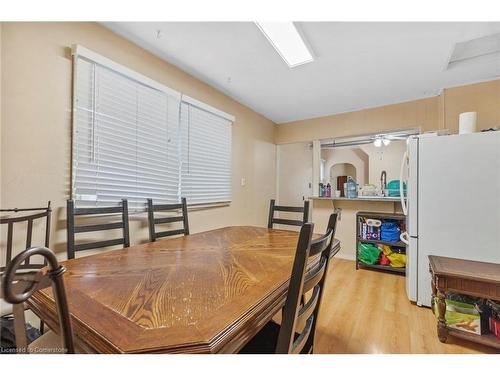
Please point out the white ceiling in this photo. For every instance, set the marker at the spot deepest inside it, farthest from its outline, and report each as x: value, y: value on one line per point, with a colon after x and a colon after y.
x: 357, y: 65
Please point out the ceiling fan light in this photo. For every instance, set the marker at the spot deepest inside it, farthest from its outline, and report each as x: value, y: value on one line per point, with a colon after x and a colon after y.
x: 377, y: 142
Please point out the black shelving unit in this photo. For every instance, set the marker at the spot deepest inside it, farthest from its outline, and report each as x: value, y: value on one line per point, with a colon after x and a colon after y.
x: 376, y: 242
x: 400, y: 244
x: 383, y: 268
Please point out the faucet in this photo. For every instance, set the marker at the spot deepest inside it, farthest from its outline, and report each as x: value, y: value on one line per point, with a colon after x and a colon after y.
x: 383, y: 181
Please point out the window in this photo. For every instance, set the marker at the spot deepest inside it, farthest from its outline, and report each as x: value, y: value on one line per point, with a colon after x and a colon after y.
x: 125, y: 139
x: 134, y: 138
x: 206, y: 155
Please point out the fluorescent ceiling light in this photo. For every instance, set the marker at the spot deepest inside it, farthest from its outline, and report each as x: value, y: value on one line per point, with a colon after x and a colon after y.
x: 287, y: 41
x: 475, y: 48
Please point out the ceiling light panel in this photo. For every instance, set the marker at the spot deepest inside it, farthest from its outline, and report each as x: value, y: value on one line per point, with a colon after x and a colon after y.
x: 287, y: 41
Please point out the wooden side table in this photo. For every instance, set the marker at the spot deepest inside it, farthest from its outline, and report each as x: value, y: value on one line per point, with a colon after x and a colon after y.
x: 477, y: 279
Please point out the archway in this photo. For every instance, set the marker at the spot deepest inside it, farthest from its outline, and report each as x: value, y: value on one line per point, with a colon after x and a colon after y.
x: 342, y: 169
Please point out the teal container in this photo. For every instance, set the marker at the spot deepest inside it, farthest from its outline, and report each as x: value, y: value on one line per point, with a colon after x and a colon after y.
x: 393, y: 188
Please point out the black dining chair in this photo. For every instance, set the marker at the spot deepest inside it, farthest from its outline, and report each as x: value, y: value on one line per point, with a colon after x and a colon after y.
x: 296, y: 332
x: 19, y: 286
x: 72, y: 229
x: 153, y: 221
x: 29, y: 222
x: 273, y: 208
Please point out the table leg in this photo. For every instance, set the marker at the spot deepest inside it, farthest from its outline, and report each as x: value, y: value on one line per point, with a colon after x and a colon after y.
x: 441, y: 325
x: 434, y: 293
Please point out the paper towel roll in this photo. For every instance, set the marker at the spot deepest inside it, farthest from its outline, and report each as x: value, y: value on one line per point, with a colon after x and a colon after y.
x: 467, y: 122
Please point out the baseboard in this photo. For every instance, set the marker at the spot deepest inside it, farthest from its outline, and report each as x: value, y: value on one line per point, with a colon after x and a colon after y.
x: 346, y: 257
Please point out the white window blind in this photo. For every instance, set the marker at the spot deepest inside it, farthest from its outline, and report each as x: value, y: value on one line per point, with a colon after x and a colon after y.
x: 125, y: 141
x: 133, y: 139
x: 205, y: 155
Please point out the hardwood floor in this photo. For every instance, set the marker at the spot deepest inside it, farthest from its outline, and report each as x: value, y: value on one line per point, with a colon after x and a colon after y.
x: 367, y: 311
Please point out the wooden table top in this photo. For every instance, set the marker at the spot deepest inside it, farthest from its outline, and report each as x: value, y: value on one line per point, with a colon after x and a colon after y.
x: 206, y: 292
x: 465, y: 269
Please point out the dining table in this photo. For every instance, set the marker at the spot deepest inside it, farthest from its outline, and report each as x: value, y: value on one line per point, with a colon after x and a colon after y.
x: 208, y: 292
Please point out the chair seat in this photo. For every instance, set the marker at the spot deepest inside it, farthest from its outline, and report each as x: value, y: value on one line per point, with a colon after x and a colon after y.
x: 49, y: 343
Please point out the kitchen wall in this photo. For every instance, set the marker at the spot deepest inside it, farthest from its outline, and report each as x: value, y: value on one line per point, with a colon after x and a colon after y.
x: 386, y: 158
x: 483, y: 98
x: 368, y: 160
x: 36, y: 123
x: 368, y: 171
x: 422, y: 113
x: 350, y: 155
x: 440, y: 112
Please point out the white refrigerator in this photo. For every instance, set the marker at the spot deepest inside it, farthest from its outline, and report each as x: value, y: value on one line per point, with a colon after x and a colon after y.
x: 453, y: 203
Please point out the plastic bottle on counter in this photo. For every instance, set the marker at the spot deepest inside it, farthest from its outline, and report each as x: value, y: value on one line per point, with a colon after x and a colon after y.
x: 352, y: 190
x: 328, y: 190
x: 321, y: 190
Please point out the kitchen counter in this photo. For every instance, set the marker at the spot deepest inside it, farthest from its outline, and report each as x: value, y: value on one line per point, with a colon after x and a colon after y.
x: 366, y: 199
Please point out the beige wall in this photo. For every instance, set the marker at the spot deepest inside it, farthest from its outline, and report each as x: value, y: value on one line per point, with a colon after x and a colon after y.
x: 385, y: 158
x: 421, y: 113
x: 294, y: 174
x: 345, y: 155
x: 36, y: 124
x: 368, y: 160
x: 341, y: 169
x: 1, y: 27
x: 440, y: 112
x: 483, y: 98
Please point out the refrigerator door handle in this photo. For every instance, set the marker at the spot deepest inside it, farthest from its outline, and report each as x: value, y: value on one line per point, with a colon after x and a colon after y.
x: 404, y: 206
x: 404, y: 237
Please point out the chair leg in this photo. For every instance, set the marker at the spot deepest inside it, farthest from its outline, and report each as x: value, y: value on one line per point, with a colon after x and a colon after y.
x: 42, y: 326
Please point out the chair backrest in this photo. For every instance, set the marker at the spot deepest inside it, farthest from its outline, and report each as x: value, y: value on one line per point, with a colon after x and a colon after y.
x: 72, y: 212
x: 45, y: 213
x: 273, y: 208
x: 17, y: 288
x: 152, y: 208
x: 300, y: 315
